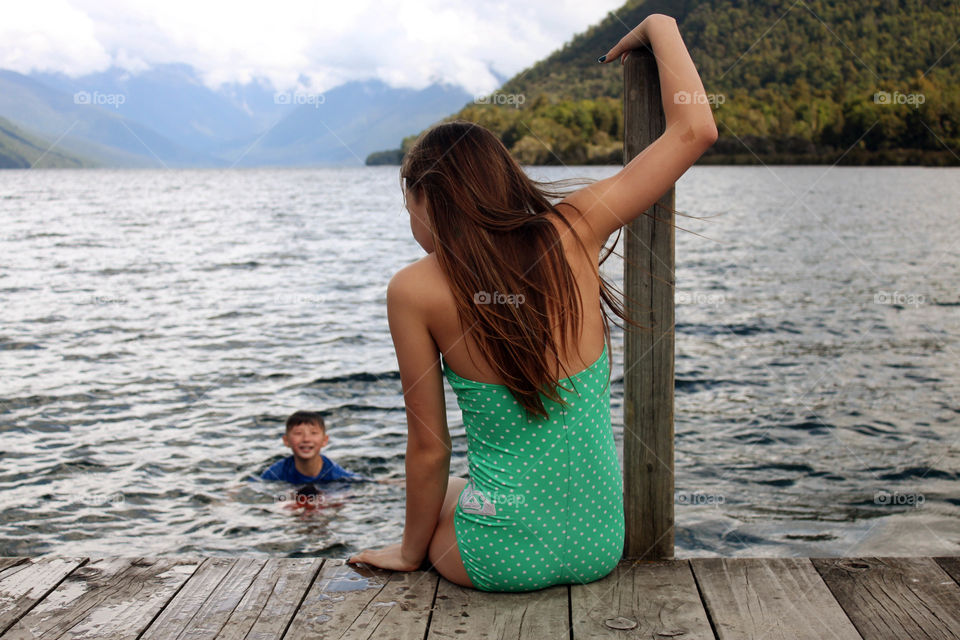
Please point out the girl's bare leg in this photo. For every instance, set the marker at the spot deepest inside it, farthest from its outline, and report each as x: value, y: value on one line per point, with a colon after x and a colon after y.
x: 443, y: 553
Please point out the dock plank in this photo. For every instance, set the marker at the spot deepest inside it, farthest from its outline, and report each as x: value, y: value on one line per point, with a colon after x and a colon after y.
x: 471, y: 614
x: 351, y: 602
x: 270, y: 601
x: 950, y: 564
x: 113, y: 598
x: 26, y: 581
x: 661, y: 597
x: 770, y: 598
x: 9, y: 561
x: 299, y: 598
x: 202, y: 607
x: 895, y: 598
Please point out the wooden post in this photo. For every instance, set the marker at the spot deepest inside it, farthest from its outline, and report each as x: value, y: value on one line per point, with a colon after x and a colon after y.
x: 648, y: 361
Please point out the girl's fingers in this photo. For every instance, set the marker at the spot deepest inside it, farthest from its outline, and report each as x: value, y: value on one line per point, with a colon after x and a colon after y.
x: 611, y: 55
x: 619, y: 50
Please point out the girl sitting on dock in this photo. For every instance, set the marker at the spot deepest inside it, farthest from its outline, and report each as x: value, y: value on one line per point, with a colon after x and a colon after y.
x: 510, y: 295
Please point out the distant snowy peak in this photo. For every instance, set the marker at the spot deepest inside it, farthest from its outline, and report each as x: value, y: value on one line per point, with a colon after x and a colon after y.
x: 167, y: 116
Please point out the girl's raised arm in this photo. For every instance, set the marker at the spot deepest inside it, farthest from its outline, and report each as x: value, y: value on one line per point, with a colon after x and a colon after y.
x: 610, y: 203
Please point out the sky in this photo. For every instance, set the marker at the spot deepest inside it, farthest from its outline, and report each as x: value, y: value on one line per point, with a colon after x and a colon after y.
x: 315, y: 44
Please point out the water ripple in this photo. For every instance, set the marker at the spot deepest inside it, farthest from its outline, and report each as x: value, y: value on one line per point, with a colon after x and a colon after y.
x: 158, y: 327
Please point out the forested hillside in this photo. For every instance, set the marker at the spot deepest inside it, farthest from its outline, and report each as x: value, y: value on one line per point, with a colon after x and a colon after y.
x: 871, y: 81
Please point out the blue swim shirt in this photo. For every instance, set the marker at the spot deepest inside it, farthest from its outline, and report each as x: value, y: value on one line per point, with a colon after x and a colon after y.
x: 286, y: 470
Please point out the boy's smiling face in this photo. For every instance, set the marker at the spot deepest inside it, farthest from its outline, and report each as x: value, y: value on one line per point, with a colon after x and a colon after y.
x: 306, y: 440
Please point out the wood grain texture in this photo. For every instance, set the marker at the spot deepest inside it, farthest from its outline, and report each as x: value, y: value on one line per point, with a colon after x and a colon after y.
x: 660, y: 596
x: 895, y: 597
x: 471, y: 614
x: 301, y: 598
x: 770, y: 598
x: 202, y: 607
x: 950, y: 564
x: 9, y: 561
x: 108, y: 598
x: 354, y: 601
x: 648, y: 354
x: 26, y: 581
x: 269, y: 603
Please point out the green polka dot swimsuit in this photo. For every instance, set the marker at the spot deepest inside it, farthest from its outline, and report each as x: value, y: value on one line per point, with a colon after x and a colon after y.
x: 544, y: 504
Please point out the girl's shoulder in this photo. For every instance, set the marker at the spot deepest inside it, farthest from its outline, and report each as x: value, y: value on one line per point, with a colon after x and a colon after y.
x: 424, y: 271
x: 422, y: 281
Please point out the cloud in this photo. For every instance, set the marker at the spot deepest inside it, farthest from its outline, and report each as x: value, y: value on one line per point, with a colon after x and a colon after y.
x: 50, y: 34
x: 295, y: 43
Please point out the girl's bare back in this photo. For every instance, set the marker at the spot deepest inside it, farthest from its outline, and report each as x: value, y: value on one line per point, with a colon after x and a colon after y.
x: 460, y: 350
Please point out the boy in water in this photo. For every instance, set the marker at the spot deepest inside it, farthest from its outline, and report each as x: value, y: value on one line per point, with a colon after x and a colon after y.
x: 306, y: 435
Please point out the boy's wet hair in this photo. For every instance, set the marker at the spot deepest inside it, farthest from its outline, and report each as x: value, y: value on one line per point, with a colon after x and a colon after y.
x: 305, y: 417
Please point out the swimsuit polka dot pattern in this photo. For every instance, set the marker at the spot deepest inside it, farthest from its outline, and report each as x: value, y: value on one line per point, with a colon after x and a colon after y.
x: 544, y: 504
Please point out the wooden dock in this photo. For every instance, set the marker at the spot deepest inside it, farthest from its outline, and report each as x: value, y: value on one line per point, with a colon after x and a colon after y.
x: 299, y: 598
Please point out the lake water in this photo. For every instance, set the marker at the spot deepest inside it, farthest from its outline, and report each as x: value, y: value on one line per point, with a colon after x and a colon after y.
x: 156, y: 328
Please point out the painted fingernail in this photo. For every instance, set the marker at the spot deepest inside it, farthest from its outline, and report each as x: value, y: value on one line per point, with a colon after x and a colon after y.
x: 601, y: 58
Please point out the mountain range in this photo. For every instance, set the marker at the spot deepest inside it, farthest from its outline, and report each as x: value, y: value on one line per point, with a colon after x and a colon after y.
x: 818, y: 81
x: 167, y: 117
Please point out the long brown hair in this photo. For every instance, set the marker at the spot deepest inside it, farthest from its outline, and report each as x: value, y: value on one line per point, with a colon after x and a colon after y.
x: 501, y: 254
